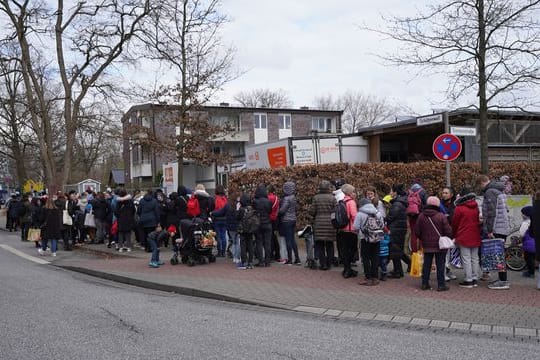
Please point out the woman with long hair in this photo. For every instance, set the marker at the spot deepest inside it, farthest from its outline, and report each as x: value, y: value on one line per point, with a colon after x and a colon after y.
x: 51, y: 228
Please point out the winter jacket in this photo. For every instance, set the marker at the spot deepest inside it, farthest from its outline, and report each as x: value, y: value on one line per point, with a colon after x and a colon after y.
x: 362, y: 216
x: 287, y: 208
x: 262, y: 205
x: 172, y: 211
x: 534, y: 229
x: 384, y: 246
x: 15, y: 208
x: 38, y: 216
x: 148, y: 211
x: 429, y: 238
x: 275, y: 206
x: 125, y: 214
x: 158, y: 236
x: 321, y: 209
x: 230, y: 216
x: 352, y: 210
x: 101, y: 209
x: 26, y: 217
x: 494, y: 209
x: 206, y: 203
x: 466, y: 223
x: 397, y: 215
x: 448, y: 207
x: 51, y: 229
x: 528, y: 243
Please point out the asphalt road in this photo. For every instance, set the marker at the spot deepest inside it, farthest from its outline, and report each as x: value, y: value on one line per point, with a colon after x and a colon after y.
x: 49, y: 313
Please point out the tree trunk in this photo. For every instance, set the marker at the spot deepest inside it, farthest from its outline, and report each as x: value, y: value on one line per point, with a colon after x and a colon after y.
x: 483, y: 106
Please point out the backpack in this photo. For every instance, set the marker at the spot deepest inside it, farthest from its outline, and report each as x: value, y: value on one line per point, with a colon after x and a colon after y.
x: 339, y: 216
x: 415, y: 203
x: 192, y: 208
x: 373, y: 229
x: 220, y: 202
x: 250, y: 221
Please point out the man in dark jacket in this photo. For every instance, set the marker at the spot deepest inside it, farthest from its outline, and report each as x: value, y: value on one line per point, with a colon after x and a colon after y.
x: 397, y: 225
x: 263, y: 207
x: 149, y: 216
x: 102, y: 212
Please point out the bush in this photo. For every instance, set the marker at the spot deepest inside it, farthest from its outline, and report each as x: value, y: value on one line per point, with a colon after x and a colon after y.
x: 524, y: 177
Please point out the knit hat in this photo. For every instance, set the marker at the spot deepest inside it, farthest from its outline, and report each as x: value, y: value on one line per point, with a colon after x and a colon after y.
x: 416, y: 187
x: 387, y: 199
x: 434, y: 201
x: 527, y: 211
x: 171, y: 229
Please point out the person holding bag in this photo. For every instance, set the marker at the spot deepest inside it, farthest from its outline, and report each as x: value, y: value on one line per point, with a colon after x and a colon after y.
x: 432, y: 225
x: 51, y: 228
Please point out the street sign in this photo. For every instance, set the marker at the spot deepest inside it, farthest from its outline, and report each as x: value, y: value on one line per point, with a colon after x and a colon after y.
x: 428, y: 120
x: 447, y: 147
x: 462, y: 131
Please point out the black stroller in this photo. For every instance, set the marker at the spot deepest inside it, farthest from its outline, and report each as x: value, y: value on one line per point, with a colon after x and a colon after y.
x: 198, y: 243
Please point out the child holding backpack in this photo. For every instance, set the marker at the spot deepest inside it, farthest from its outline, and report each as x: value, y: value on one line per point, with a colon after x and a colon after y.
x: 370, y: 224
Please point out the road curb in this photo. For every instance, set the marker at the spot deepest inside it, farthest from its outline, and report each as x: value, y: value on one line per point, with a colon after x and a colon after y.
x: 168, y: 288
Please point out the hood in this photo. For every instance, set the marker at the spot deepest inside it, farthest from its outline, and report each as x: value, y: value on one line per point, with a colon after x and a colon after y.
x: 495, y: 185
x: 462, y: 200
x: 416, y: 187
x: 261, y: 192
x: 289, y: 188
x: 202, y: 193
x: 402, y: 199
x: 182, y: 190
x: 431, y: 210
x: 369, y: 209
x: 245, y: 200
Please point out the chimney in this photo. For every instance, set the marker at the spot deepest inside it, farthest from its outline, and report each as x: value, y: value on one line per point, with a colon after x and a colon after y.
x: 224, y: 104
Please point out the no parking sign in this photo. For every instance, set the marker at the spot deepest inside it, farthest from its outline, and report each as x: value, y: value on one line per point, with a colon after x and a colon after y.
x: 447, y: 147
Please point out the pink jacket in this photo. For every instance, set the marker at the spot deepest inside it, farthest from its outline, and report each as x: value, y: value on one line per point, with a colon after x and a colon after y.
x: 352, y: 210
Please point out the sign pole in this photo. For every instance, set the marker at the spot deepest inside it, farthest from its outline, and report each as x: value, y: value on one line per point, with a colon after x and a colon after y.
x: 447, y: 163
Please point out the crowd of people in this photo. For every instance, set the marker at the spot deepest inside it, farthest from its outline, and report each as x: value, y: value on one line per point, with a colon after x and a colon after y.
x: 256, y: 229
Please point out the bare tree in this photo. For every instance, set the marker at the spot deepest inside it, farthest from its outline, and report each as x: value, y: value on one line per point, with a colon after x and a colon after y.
x: 488, y: 48
x: 264, y: 98
x: 327, y: 102
x: 186, y: 36
x: 89, y: 38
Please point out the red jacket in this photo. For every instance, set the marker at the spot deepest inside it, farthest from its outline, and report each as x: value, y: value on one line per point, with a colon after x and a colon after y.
x: 429, y: 238
x: 275, y: 206
x: 466, y: 223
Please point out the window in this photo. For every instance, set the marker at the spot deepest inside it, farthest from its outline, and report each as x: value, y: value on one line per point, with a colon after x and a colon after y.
x: 321, y: 124
x: 231, y: 122
x: 145, y: 122
x: 284, y: 121
x: 259, y: 121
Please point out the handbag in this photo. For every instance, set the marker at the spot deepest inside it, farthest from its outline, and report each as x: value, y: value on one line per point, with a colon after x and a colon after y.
x: 34, y: 234
x: 444, y: 241
x: 89, y: 220
x: 417, y: 260
x: 66, y: 218
x: 492, y: 255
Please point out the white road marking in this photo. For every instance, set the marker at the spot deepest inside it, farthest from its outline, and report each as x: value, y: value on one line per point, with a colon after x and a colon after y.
x: 23, y: 255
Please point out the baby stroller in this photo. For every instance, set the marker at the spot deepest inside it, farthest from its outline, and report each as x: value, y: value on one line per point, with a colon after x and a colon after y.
x: 197, y: 245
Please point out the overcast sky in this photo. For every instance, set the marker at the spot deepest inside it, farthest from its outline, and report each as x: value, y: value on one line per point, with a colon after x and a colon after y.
x: 313, y: 47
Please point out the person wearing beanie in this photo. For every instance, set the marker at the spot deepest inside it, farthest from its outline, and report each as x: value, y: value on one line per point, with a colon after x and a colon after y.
x: 287, y: 211
x: 156, y: 238
x: 466, y: 229
x: 528, y: 244
x: 396, y: 220
x: 430, y: 225
x: 416, y: 201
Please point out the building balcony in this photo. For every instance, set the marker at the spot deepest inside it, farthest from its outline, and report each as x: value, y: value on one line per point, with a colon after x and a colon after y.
x: 238, y: 136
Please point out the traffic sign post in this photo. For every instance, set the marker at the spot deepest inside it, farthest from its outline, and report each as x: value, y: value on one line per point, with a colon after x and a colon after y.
x: 447, y: 147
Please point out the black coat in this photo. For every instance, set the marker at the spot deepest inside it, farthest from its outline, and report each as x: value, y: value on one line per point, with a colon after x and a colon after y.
x: 148, y: 211
x: 535, y: 226
x: 125, y: 215
x: 262, y: 205
x: 101, y: 209
x: 397, y: 216
x: 51, y: 229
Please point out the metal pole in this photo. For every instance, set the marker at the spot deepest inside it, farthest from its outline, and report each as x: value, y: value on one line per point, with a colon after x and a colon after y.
x: 447, y: 163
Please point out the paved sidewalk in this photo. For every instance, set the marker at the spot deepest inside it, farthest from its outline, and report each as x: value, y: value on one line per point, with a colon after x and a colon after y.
x: 514, y: 312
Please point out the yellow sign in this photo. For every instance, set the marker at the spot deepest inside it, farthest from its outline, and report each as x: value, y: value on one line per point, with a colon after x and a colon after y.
x: 31, y: 186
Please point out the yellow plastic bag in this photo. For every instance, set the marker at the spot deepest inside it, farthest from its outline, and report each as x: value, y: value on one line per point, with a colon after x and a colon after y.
x: 417, y: 260
x: 34, y: 234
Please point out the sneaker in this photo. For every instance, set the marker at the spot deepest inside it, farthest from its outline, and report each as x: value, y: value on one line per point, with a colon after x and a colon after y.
x: 160, y: 262
x: 527, y: 274
x: 40, y: 251
x: 128, y: 249
x: 282, y: 261
x: 249, y: 266
x: 425, y: 287
x: 485, y: 277
x: 153, y: 264
x: 444, y: 288
x: 475, y: 283
x: 288, y: 262
x: 499, y: 285
x: 53, y: 254
x: 297, y: 262
x: 466, y: 284
x: 117, y: 248
x: 121, y: 250
x: 241, y: 266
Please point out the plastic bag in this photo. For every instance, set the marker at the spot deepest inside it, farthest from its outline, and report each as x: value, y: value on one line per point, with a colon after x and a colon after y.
x: 417, y: 260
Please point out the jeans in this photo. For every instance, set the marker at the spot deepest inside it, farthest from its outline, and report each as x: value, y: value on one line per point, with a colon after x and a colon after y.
x: 383, y: 261
x: 370, y: 258
x: 24, y: 231
x: 100, y: 230
x: 530, y: 260
x: 155, y: 250
x: 470, y: 262
x: 54, y: 244
x: 147, y: 231
x: 124, y: 238
x: 440, y: 258
x: 221, y: 235
x: 288, y: 230
x: 348, y: 241
x: 282, y: 248
x: 324, y: 251
x: 264, y: 240
x: 246, y: 247
x: 235, y: 241
x: 66, y: 236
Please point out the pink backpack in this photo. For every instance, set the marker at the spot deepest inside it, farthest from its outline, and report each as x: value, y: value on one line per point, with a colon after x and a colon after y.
x: 415, y: 203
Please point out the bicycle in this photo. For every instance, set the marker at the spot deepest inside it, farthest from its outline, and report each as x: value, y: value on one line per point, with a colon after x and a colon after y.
x: 513, y: 254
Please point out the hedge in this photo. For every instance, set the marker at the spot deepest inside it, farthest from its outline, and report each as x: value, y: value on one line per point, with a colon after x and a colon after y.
x: 524, y: 177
